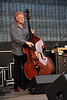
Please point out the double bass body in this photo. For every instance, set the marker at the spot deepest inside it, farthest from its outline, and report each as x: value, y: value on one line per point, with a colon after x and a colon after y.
x: 37, y: 63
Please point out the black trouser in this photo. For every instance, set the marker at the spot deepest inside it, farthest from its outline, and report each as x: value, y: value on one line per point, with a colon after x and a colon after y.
x: 19, y: 75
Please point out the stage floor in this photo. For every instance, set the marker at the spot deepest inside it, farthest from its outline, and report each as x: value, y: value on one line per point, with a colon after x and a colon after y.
x: 8, y: 93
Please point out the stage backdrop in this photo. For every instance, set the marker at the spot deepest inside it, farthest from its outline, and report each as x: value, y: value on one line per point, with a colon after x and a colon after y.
x: 48, y: 18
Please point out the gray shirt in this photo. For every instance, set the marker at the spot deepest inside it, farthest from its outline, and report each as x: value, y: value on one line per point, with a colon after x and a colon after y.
x: 19, y: 37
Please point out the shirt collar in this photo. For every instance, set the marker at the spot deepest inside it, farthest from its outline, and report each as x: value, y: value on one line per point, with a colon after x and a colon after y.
x: 20, y: 27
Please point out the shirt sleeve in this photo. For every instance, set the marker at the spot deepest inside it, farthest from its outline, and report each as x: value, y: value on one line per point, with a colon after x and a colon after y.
x: 15, y: 37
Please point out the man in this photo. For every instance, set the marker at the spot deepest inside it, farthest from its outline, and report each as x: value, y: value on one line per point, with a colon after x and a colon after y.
x: 19, y: 33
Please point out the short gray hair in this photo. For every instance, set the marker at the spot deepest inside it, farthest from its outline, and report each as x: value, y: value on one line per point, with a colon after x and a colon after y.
x: 15, y: 16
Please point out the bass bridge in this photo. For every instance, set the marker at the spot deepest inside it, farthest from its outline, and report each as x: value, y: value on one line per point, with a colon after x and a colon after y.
x: 36, y: 63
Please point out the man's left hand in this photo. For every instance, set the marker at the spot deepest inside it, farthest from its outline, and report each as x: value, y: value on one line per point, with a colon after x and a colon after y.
x: 32, y: 31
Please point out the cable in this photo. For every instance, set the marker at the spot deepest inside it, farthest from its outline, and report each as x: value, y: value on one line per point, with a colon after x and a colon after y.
x: 15, y: 95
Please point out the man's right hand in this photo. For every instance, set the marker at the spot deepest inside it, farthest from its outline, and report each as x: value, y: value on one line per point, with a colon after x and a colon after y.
x: 30, y: 44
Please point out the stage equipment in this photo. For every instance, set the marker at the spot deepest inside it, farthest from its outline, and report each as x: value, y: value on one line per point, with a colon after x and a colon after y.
x: 11, y: 70
x: 39, y: 83
x: 1, y: 79
x: 58, y: 89
x: 5, y: 58
x: 61, y: 60
x: 4, y: 75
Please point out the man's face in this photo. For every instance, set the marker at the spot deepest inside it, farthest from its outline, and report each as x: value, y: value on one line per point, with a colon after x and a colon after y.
x: 20, y: 18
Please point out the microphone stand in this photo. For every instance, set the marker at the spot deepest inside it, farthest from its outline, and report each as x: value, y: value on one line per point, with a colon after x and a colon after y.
x: 56, y: 44
x: 56, y: 54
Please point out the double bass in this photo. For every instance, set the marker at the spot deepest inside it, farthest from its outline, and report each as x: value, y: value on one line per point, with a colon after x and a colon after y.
x: 37, y: 63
